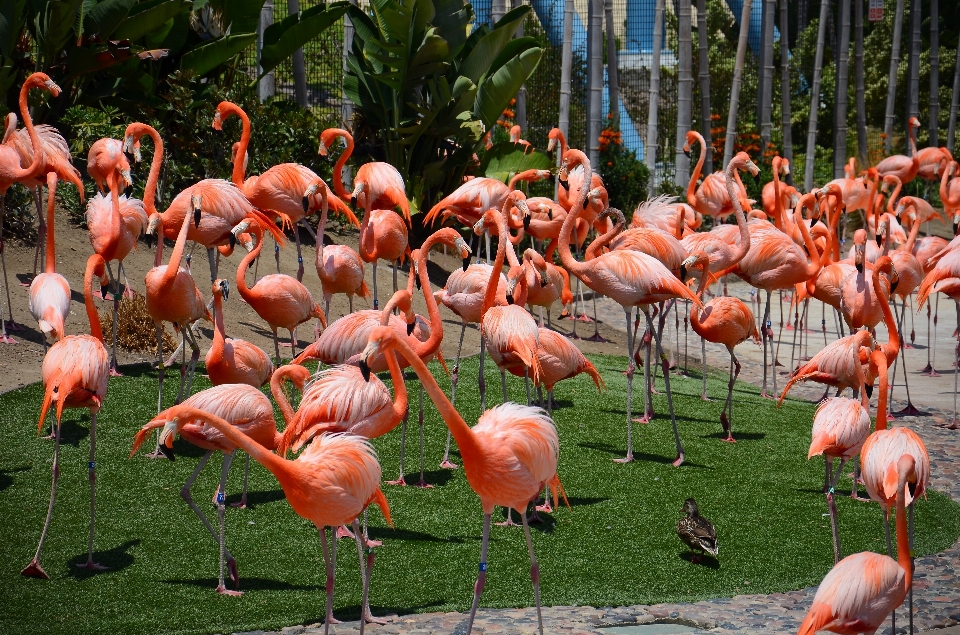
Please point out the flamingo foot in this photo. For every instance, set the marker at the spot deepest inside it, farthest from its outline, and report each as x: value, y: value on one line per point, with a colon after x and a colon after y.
x: 370, y: 544
x: 926, y: 369
x: 679, y: 460
x: 729, y: 439
x: 642, y: 420
x: 90, y: 565
x: 234, y: 574
x: 12, y: 326
x: 332, y: 620
x: 400, y: 481
x: 285, y: 344
x: 507, y: 523
x: 115, y: 369
x: 422, y: 484
x: 34, y: 570
x: 585, y: 318
x: 546, y: 508
x: 565, y: 315
x: 369, y: 618
x: 855, y: 496
x: 767, y: 395
x: 156, y: 454
x: 596, y: 338
x: 909, y: 346
x: 343, y: 532
x: 626, y: 459
x: 955, y: 425
x: 911, y: 411
x: 447, y: 465
x: 6, y: 339
x: 222, y: 590
x: 705, y: 398
x: 241, y: 504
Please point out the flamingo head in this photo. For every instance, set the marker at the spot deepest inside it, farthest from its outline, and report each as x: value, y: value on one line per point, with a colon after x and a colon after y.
x: 859, y: 247
x: 956, y: 224
x: 221, y: 287
x: 196, y: 202
x: 380, y: 339
x: 691, y: 137
x: 552, y: 141
x: 313, y: 189
x: 882, y: 231
x: 359, y: 190
x: 464, y: 250
x: 697, y: 258
x: 487, y: 220
x: 167, y: 434
x: 511, y: 287
x: 514, y: 134
x: 240, y: 228
x: 914, y: 122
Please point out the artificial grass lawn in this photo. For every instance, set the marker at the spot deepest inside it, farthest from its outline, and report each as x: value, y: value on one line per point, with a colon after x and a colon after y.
x: 617, y: 545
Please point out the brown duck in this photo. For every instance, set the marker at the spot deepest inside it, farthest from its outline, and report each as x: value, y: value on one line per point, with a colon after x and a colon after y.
x: 696, y: 531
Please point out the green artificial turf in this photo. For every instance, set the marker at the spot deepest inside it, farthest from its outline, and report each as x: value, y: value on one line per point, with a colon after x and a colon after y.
x: 616, y: 546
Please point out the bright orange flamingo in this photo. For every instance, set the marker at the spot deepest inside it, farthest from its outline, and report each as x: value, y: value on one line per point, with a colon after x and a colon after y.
x: 930, y: 159
x: 515, y: 133
x: 630, y: 278
x: 329, y: 484
x: 862, y: 589
x: 902, y: 166
x: 246, y: 409
x: 280, y: 300
x: 508, y: 457
x: 339, y: 267
x: 788, y: 194
x: 279, y: 190
x: 49, y: 291
x: 12, y: 171
x: 75, y: 374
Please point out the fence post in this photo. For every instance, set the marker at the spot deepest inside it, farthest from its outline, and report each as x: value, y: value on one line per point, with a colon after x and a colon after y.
x: 861, y: 99
x: 737, y: 80
x: 785, y: 92
x: 934, y: 74
x: 267, y: 86
x: 684, y: 91
x: 299, y: 68
x: 566, y: 62
x: 840, y: 107
x: 703, y: 40
x: 346, y: 106
x: 650, y: 145
x: 613, y: 70
x: 810, y: 157
x: 892, y: 78
x: 766, y: 75
x: 594, y: 78
x: 952, y: 126
x: 913, y: 65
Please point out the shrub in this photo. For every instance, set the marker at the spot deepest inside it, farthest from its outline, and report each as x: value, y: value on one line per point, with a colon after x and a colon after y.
x: 625, y: 177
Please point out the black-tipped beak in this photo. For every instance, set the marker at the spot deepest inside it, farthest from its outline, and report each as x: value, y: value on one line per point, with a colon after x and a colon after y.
x: 149, y: 240
x: 353, y: 204
x: 551, y: 153
x: 196, y: 217
x: 565, y: 184
x: 894, y: 285
x: 410, y: 328
x: 859, y: 266
x: 128, y: 190
x: 756, y: 178
x: 466, y: 263
x: 544, y: 282
x: 550, y: 214
x: 364, y: 370
x: 553, y: 179
x: 509, y: 298
x: 167, y: 452
x: 416, y: 281
x: 686, y: 152
x: 879, y: 239
x: 869, y: 389
x: 956, y: 226
x: 683, y: 273
x: 813, y: 221
x: 233, y: 240
x: 306, y: 203
x: 526, y: 223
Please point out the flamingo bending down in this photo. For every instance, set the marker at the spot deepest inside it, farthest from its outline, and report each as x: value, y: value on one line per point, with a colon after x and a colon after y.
x: 11, y: 171
x: 508, y: 457
x: 280, y: 300
x: 50, y: 291
x: 557, y: 287
x: 329, y: 484
x: 75, y: 372
x: 246, y: 409
x: 631, y: 279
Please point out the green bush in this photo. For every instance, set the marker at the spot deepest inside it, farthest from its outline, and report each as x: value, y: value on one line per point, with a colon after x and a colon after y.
x: 625, y: 177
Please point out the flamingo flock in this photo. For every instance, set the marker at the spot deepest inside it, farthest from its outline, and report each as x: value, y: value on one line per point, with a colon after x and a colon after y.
x: 510, y: 456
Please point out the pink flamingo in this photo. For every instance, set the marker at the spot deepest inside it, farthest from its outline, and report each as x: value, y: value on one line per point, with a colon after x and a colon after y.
x: 247, y: 410
x: 788, y: 195
x: 515, y: 133
x: 508, y: 457
x: 905, y: 168
x: 557, y: 287
x: 860, y: 300
x: 75, y: 373
x: 836, y: 364
x: 49, y: 291
x: 631, y: 279
x: 713, y: 197
x: 280, y: 300
x: 329, y: 484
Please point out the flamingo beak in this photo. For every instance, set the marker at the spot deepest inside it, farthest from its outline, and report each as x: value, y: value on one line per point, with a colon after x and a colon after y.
x: 756, y: 178
x: 686, y: 151
x: 410, y: 327
x: 869, y: 389
x: 550, y: 214
x: 526, y: 222
x: 225, y: 287
x: 544, y: 280
x: 306, y: 204
x: 364, y: 370
x: 683, y: 272
x: 149, y: 241
x: 510, y: 298
x: 167, y: 434
x: 466, y: 262
x: 859, y: 266
x: 233, y: 243
x: 879, y: 239
x: 565, y: 184
x: 813, y: 221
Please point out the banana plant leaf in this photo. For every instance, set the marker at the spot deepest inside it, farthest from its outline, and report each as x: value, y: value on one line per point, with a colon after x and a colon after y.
x: 55, y: 26
x: 12, y: 15
x: 282, y: 39
x: 102, y: 18
x: 140, y: 22
x: 504, y: 160
x: 498, y: 89
x: 490, y: 45
x: 212, y: 54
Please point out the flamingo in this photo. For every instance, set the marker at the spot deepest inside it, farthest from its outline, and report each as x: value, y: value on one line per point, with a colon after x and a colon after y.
x: 515, y: 133
x: 11, y: 171
x: 329, y: 484
x: 631, y: 279
x: 339, y: 267
x: 280, y: 300
x: 50, y: 291
x: 247, y: 410
x: 281, y: 188
x: 836, y: 364
x: 557, y: 287
x: 508, y: 457
x: 860, y: 300
x: 905, y: 168
x: 383, y: 235
x: 105, y: 160
x: 773, y: 188
x: 75, y: 372
x: 713, y: 198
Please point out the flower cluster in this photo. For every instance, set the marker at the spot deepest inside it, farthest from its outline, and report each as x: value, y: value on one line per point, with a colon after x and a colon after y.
x: 610, y: 136
x: 507, y: 115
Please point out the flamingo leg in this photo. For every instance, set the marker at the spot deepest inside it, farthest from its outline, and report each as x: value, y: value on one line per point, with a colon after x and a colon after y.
x: 482, y: 575
x: 910, y: 410
x: 276, y: 255
x: 526, y: 380
x: 90, y: 565
x: 183, y: 365
x: 956, y: 368
x: 630, y: 370
x: 929, y: 366
x: 403, y: 446
x: 666, y: 380
x: 422, y: 483
x: 376, y: 301
x: 160, y: 367
x: 246, y: 474
x: 724, y: 421
x: 114, y: 370
x: 194, y: 356
x: 330, y: 565
x: 912, y: 566
x: 41, y: 228
x: 221, y: 513
x: 293, y: 343
x: 395, y: 265
x: 365, y: 571
x: 212, y: 258
x: 764, y: 330
x: 936, y: 315
x: 128, y: 291
x: 832, y: 506
x: 34, y: 570
x: 4, y: 338
x: 482, y: 382
x: 703, y: 372
x: 534, y: 570
x: 188, y: 498
x: 454, y: 377
x: 276, y: 346
x: 296, y: 238
x: 686, y: 332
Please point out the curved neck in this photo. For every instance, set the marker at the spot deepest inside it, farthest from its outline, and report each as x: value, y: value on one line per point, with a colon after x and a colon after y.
x: 400, y: 399
x: 892, y: 348
x: 174, y: 265
x: 250, y: 257
x: 913, y: 142
x: 914, y: 231
x: 239, y: 158
x: 834, y: 225
x: 51, y: 264
x: 778, y: 215
x: 744, y: 246
x: 276, y: 389
x: 18, y: 174
x: 219, y: 331
x: 432, y: 344
x: 158, y: 254
x: 944, y: 178
x: 881, y: 361
x: 466, y: 439
x: 92, y: 314
x: 595, y: 248
x: 813, y: 267
x: 903, y: 539
x: 342, y: 161
x: 150, y: 191
x: 490, y: 294
x: 566, y: 258
x: 697, y: 171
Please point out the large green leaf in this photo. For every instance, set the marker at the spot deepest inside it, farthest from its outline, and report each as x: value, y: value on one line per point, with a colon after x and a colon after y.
x: 139, y: 23
x: 240, y: 16
x: 511, y: 50
x: 102, y: 18
x: 506, y: 159
x: 451, y: 20
x: 212, y: 54
x: 490, y: 45
x: 12, y: 15
x: 282, y: 39
x: 498, y: 89
x: 57, y: 27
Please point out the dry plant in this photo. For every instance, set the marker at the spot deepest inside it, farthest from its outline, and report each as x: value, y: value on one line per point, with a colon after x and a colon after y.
x: 135, y: 328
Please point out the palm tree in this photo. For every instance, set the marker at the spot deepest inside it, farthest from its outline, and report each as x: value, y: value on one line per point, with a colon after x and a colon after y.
x: 737, y: 80
x: 613, y: 71
x: 840, y: 106
x: 650, y: 147
x: 861, y: 104
x: 299, y: 68
x: 684, y: 90
x: 815, y: 98
x: 266, y: 86
x: 892, y: 78
x: 766, y: 77
x: 913, y: 67
x: 703, y: 39
x: 594, y: 78
x: 934, y: 72
x: 952, y: 128
x: 785, y: 88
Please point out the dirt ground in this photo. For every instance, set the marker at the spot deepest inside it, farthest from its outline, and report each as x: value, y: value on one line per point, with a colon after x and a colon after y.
x: 20, y: 363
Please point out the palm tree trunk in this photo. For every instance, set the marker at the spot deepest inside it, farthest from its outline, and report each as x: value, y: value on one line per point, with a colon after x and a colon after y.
x: 703, y: 41
x: 810, y: 157
x: 737, y: 80
x: 785, y: 93
x: 934, y: 73
x: 267, y: 86
x: 892, y: 78
x: 346, y: 106
x: 566, y: 64
x: 613, y: 70
x: 954, y: 99
x: 913, y: 67
x: 684, y: 90
x: 299, y: 68
x: 497, y: 10
x: 861, y: 104
x: 840, y: 101
x: 594, y: 78
x: 650, y: 146
x: 522, y: 93
x: 766, y: 83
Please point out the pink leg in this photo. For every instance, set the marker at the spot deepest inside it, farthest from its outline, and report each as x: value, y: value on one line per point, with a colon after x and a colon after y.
x: 534, y: 571
x: 34, y: 570
x: 482, y: 575
x: 330, y: 564
x: 366, y: 615
x: 91, y: 465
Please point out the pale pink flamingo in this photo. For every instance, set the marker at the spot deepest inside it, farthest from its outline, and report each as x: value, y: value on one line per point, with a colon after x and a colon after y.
x: 246, y: 409
x: 557, y: 287
x: 75, y: 374
x: 859, y: 300
x: 50, y: 291
x: 905, y: 168
x: 508, y: 457
x: 712, y: 198
x: 836, y: 364
x: 630, y: 278
x: 329, y: 484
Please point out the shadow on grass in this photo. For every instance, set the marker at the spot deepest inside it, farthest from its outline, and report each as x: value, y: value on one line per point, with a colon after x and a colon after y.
x: 577, y: 501
x: 116, y: 559
x: 386, y: 534
x: 72, y: 433
x: 705, y: 560
x: 639, y: 456
x: 261, y: 497
x: 437, y: 478
x: 249, y: 584
x: 6, y: 480
x: 739, y: 436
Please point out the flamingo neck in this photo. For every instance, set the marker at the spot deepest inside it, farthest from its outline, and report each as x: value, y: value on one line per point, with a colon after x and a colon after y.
x: 51, y: 263
x: 892, y: 348
x: 173, y: 267
x: 150, y: 191
x: 219, y: 331
x: 341, y: 162
x: 914, y: 232
x: 882, y: 372
x: 697, y: 171
x: 276, y: 389
x: 239, y: 159
x: 433, y: 342
x: 158, y: 253
x: 778, y: 214
x: 92, y: 314
x: 285, y: 471
x: 400, y: 399
x: 490, y: 294
x: 813, y: 267
x: 34, y: 167
x: 245, y: 263
x: 566, y: 258
x: 595, y: 248
x: 744, y: 246
x: 903, y: 540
